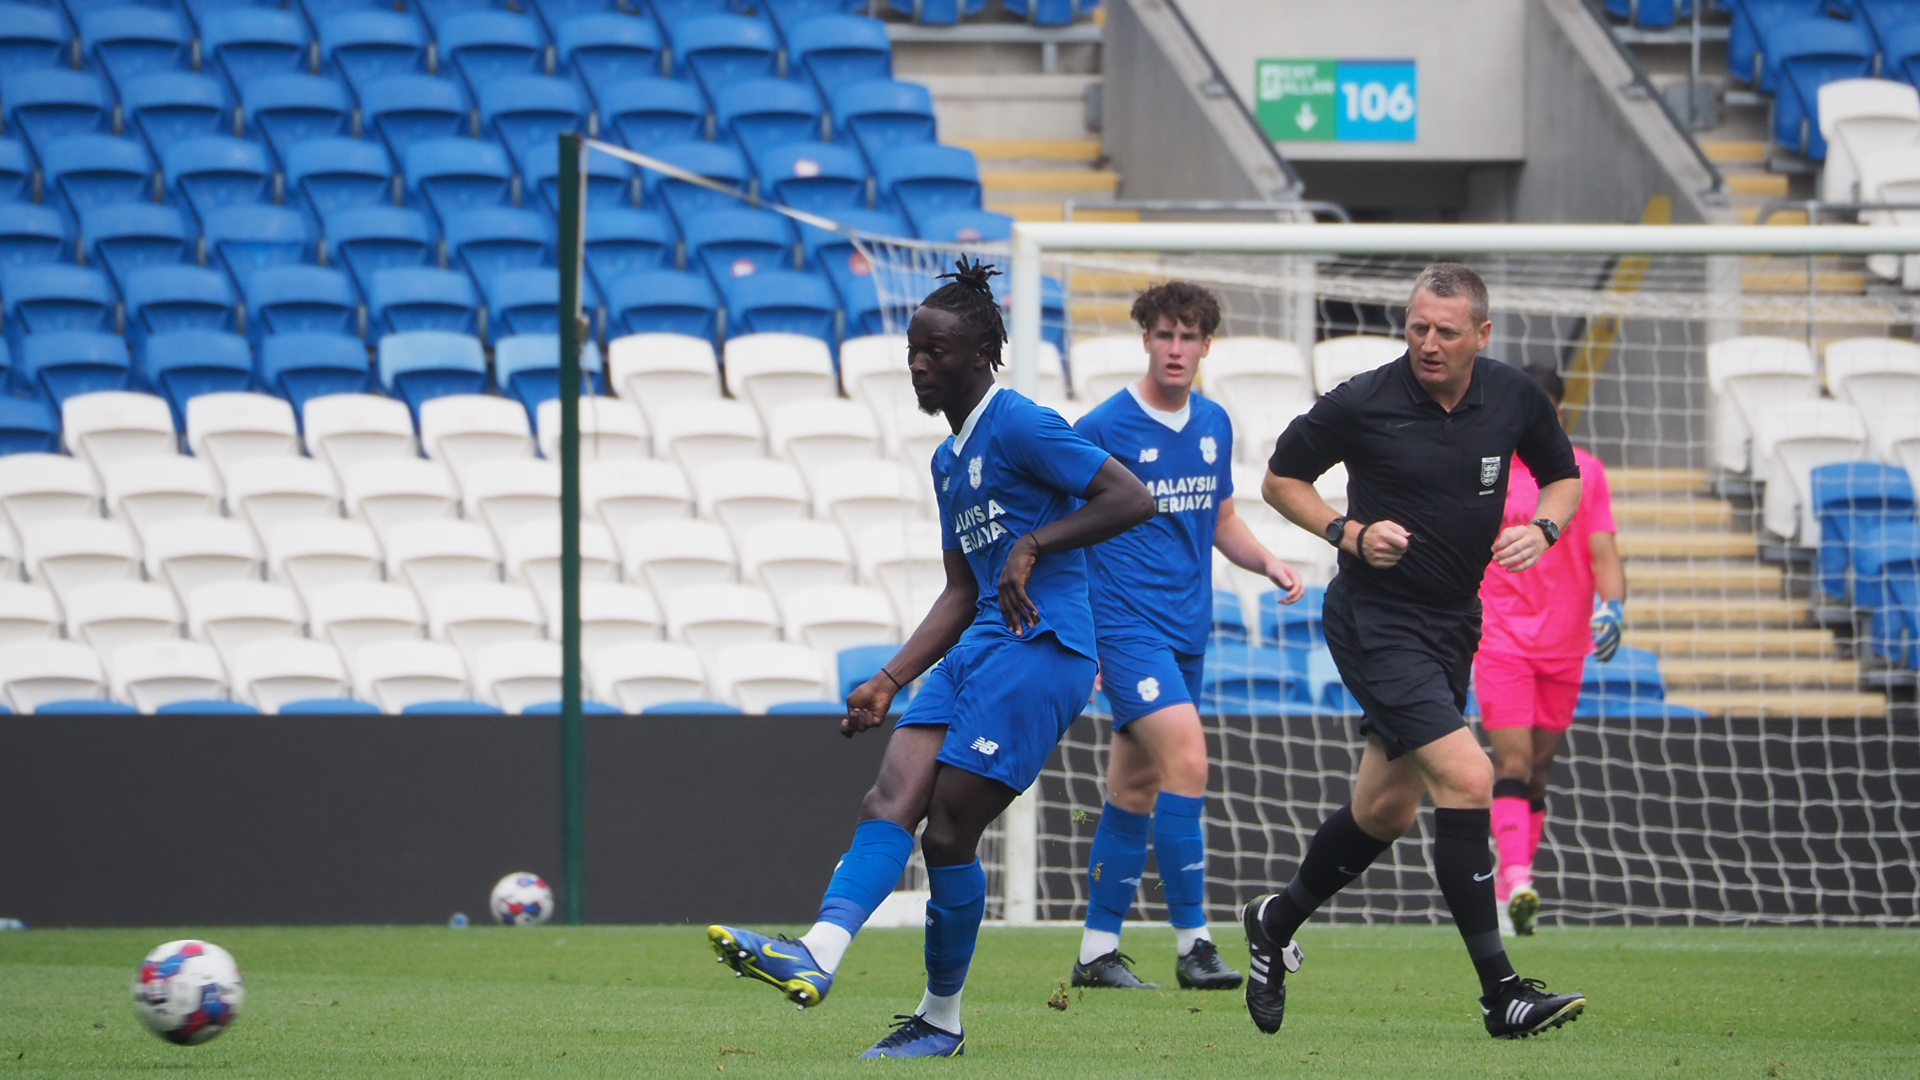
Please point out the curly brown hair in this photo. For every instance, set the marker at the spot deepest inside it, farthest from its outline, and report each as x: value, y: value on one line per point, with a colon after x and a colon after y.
x: 1183, y: 302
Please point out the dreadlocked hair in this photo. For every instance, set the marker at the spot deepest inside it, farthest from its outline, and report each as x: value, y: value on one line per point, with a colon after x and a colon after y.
x: 968, y: 293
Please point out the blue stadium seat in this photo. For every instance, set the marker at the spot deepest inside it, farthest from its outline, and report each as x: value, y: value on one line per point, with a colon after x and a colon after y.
x: 49, y: 105
x: 602, y: 49
x: 863, y: 662
x: 248, y: 43
x: 163, y: 299
x: 43, y: 299
x: 529, y: 112
x: 85, y: 707
x: 32, y: 36
x: 127, y: 236
x: 485, y: 242
x: 556, y: 13
x: 368, y: 239
x: 328, y: 707
x: 183, y: 364
x: 1750, y: 23
x: 1052, y: 12
x: 130, y: 41
x: 787, y: 14
x: 848, y: 269
x: 1651, y: 13
x: 438, y: 12
x: 588, y: 707
x: 423, y: 365
x: 620, y: 242
x: 877, y: 115
x: 203, y: 175
x: 485, y: 47
x: 31, y: 234
x: 526, y: 367
x: 718, y: 50
x: 967, y: 227
x: 82, y: 172
x: 671, y: 708
x: 407, y: 109
x: 28, y: 427
x: 16, y: 171
x: 663, y: 302
x: 817, y: 177
x: 449, y: 175
x: 612, y: 183
x: 648, y: 112
x: 424, y: 299
x: 732, y: 243
x: 1882, y: 16
x: 925, y: 180
x: 722, y: 164
x: 835, y: 50
x: 938, y: 12
x: 1886, y: 583
x: 1852, y: 499
x: 1297, y: 625
x: 1802, y: 54
x: 1900, y: 53
x: 451, y: 708
x: 1229, y: 618
x: 1629, y: 687
x: 245, y: 239
x: 1253, y: 681
x: 167, y: 107
x: 53, y: 367
x: 367, y: 46
x: 528, y: 302
x: 327, y: 175
x: 289, y: 109
x: 807, y: 708
x: 784, y: 302
x: 287, y: 300
x: 302, y: 366
x: 673, y: 12
x: 206, y: 707
x: 760, y: 114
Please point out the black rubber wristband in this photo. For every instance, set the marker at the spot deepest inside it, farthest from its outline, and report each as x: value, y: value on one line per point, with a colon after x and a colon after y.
x: 1361, y: 538
x: 891, y: 679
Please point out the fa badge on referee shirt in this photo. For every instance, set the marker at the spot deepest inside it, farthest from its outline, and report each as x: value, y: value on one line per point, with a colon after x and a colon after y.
x: 973, y: 471
x: 1209, y: 449
x: 1489, y: 471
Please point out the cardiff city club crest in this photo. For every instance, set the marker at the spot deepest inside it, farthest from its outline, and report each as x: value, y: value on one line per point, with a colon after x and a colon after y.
x: 973, y: 471
x: 1489, y: 471
x: 1209, y: 449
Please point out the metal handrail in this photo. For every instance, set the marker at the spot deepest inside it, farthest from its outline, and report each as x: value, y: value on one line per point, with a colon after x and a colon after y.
x: 1718, y: 192
x: 1295, y: 185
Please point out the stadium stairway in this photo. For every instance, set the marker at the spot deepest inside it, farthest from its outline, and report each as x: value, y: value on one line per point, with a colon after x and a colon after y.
x: 1731, y: 639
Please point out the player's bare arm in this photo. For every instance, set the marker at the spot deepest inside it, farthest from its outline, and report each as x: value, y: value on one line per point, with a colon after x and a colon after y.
x: 1381, y: 543
x: 951, y: 614
x: 1609, y: 574
x: 1244, y: 550
x: 1116, y: 501
x: 1520, y: 546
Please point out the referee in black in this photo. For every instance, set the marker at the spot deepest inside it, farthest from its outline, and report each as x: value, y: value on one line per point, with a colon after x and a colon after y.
x: 1427, y: 440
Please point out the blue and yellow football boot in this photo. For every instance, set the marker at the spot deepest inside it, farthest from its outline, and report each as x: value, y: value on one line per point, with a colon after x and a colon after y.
x: 780, y: 962
x: 914, y: 1037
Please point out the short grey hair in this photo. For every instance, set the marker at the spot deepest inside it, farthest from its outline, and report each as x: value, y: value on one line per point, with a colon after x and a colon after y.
x: 1450, y: 279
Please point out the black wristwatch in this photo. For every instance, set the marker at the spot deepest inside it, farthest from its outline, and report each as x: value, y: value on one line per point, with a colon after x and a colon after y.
x: 1337, y: 530
x: 1549, y: 530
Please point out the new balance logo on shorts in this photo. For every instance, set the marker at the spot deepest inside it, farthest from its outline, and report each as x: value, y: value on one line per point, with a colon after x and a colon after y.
x: 986, y: 746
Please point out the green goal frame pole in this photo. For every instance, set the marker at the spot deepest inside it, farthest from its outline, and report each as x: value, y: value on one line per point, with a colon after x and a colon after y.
x: 572, y: 734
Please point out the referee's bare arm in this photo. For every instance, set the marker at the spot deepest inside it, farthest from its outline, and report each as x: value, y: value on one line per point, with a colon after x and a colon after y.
x: 1300, y: 503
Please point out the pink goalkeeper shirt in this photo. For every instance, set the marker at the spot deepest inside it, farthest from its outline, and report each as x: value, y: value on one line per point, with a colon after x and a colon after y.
x: 1544, y: 611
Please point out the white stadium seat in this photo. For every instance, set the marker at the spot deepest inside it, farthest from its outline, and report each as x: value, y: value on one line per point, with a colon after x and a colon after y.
x: 67, y: 553
x: 358, y: 614
x: 1790, y: 440
x: 311, y: 555
x: 1881, y: 378
x: 27, y: 613
x: 1858, y: 116
x: 109, y: 614
x: 188, y: 554
x: 516, y: 674
x: 859, y: 494
x: 609, y: 428
x: 391, y: 492
x: 510, y: 492
x: 149, y: 674
x: 42, y: 487
x: 1247, y: 478
x: 103, y: 427
x: 906, y: 561
x: 268, y: 492
x: 238, y: 613
x: 345, y: 429
x: 1891, y: 174
x: 781, y: 556
x: 9, y: 555
x: 873, y: 371
x: 637, y: 674
x: 145, y: 491
x: 697, y: 432
x: 33, y: 673
x: 1050, y: 383
x: 1263, y: 383
x: 463, y: 430
x: 749, y: 491
x: 1332, y: 486
x: 818, y: 434
x: 710, y: 617
x: 916, y: 436
x: 659, y: 371
x: 668, y: 556
x: 611, y: 615
x: 428, y: 556
x: 772, y: 369
x: 1338, y: 359
x: 403, y: 673
x: 623, y: 494
x: 269, y: 674
x: 1746, y: 375
x: 829, y: 618
x: 471, y: 617
x: 1103, y: 365
x: 759, y: 674
x: 226, y: 428
x: 532, y: 553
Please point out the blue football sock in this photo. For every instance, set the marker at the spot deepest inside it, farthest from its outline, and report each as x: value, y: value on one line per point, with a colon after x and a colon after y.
x: 866, y: 874
x: 953, y: 924
x: 1115, y: 866
x: 1180, y: 849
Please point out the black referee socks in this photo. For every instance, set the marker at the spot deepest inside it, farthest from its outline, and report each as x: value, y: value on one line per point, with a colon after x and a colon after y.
x: 1463, y: 863
x: 1340, y: 851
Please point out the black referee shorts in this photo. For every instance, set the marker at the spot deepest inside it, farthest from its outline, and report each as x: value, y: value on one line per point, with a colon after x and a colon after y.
x: 1407, y: 664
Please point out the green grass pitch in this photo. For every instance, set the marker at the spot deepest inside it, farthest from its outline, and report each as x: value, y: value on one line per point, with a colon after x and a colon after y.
x: 1392, y: 1002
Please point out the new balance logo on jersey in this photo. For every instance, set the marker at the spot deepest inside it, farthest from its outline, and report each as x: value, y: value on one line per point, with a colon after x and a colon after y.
x: 1149, y: 688
x: 986, y: 746
x: 1151, y: 453
x: 1209, y: 449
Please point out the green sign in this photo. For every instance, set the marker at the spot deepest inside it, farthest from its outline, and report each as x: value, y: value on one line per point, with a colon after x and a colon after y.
x: 1294, y: 99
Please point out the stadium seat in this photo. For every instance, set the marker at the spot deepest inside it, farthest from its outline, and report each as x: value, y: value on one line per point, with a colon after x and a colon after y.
x: 1253, y: 681
x: 267, y: 492
x: 755, y: 675
x: 588, y: 707
x: 837, y: 50
x: 230, y: 614
x: 1745, y: 376
x: 557, y: 13
x: 817, y: 434
x: 830, y: 619
x: 229, y: 428
x: 669, y: 555
x: 1899, y: 64
x: 858, y: 665
x: 246, y: 239
x: 400, y: 674
x: 355, y: 616
x: 1852, y: 500
x: 183, y: 364
x: 758, y: 115
x: 698, y: 432
x: 406, y: 110
x: 783, y: 555
x: 448, y: 175
x: 36, y: 673
x: 719, y: 50
x: 368, y: 240
x: 422, y: 300
x: 463, y: 430
x: 781, y: 302
x: 167, y: 299
x: 625, y: 493
x: 611, y: 615
x: 486, y: 242
x: 101, y: 428
x: 311, y: 555
x: 968, y: 227
x: 168, y: 107
x: 302, y: 300
x: 527, y: 368
x: 27, y: 613
x: 602, y: 49
x: 528, y: 302
x: 1263, y: 383
x: 345, y: 429
x: 48, y: 105
x: 1296, y: 626
x: 1229, y: 624
x: 938, y: 12
x: 873, y: 371
x: 249, y: 43
x: 849, y: 268
x: 787, y: 14
x: 610, y: 429
x: 817, y: 177
x: 10, y: 560
x: 532, y: 550
x: 507, y: 492
x: 16, y: 171
x: 329, y: 707
x: 721, y: 164
x: 145, y: 491
x: 659, y: 370
x: 30, y: 234
x: 924, y: 180
x: 125, y: 237
x: 1338, y: 359
x: 273, y: 674
x: 37, y: 487
x: 205, y: 174
x: 82, y: 172
x: 736, y: 242
x: 287, y: 110
x: 366, y: 46
x: 472, y: 617
x: 325, y: 176
x: 711, y: 617
x: 1751, y: 19
x: 860, y: 494
x: 529, y: 112
x: 1886, y: 582
x: 633, y: 675
x: 66, y: 553
x: 150, y: 674
x: 490, y: 48
x: 387, y: 492
x: 613, y: 183
x: 877, y: 115
x: 32, y: 37
x: 1803, y: 54
x: 904, y: 559
x: 428, y: 555
x: 747, y: 491
x: 517, y: 674
x: 58, y: 365
x: 1789, y: 440
x: 621, y: 241
x: 1057, y: 12
x: 109, y: 614
x: 192, y: 553
x: 27, y: 427
x: 1878, y: 376
x: 663, y: 302
x: 647, y: 111
x: 1103, y: 366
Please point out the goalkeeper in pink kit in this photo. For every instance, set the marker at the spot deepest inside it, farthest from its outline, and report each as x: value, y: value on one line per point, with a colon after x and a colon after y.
x: 1538, y: 626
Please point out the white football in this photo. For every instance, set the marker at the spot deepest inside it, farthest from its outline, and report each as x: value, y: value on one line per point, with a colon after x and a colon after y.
x: 188, y: 991
x: 522, y: 899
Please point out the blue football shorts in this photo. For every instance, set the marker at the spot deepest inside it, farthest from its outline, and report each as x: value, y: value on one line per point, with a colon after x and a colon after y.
x: 1142, y: 675
x: 1005, y: 703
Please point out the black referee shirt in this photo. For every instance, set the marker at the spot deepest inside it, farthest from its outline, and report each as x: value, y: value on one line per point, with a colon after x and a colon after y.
x: 1441, y: 475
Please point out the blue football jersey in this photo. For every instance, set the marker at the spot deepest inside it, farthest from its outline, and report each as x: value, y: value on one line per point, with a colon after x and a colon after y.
x: 1156, y: 579
x: 1014, y: 467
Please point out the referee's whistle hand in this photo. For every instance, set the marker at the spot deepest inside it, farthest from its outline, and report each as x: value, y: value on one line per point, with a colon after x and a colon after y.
x: 1385, y: 544
x: 1519, y: 547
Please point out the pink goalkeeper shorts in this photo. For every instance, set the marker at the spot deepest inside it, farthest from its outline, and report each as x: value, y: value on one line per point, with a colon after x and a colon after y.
x: 1526, y: 692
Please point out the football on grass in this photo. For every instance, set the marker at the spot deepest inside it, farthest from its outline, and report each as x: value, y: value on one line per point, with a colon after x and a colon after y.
x: 522, y: 899
x: 188, y: 991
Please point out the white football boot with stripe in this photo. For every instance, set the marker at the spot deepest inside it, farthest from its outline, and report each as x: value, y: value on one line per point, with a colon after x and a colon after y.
x: 1522, y: 1007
